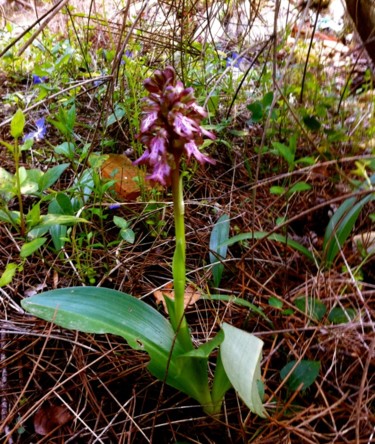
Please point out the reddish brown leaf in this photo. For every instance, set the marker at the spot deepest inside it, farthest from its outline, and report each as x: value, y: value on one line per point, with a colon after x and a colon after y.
x: 191, y: 295
x: 48, y: 417
x: 118, y: 167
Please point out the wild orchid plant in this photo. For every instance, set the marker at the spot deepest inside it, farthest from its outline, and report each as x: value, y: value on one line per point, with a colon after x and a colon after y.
x: 171, y: 128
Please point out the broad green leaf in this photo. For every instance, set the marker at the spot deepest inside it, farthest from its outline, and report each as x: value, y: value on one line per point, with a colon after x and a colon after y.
x: 103, y: 310
x: 116, y: 116
x: 33, y: 216
x: 85, y: 184
x: 6, y: 184
x: 28, y: 187
x: 12, y: 217
x: 276, y: 303
x: 235, y: 300
x: 204, y: 350
x: 241, y: 353
x: 285, y: 151
x: 315, y: 308
x: 17, y: 124
x: 59, y: 235
x: 219, y: 236
x: 61, y: 219
x: 312, y: 123
x: 49, y: 220
x: 278, y: 190
x: 257, y: 111
x: 120, y: 222
x: 213, y: 104
x: 340, y: 227
x: 33, y: 175
x: 128, y: 235
x: 305, y: 373
x: 340, y: 315
x: 61, y: 204
x: 71, y: 117
x: 298, y: 187
x: 221, y: 383
x: 29, y: 248
x: 7, y: 145
x: 8, y: 274
x: 267, y: 99
x: 51, y: 176
x: 273, y: 237
x: 306, y: 160
x: 66, y: 149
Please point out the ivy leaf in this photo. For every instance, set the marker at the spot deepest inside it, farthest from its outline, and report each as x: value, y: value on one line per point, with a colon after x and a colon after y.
x: 305, y: 373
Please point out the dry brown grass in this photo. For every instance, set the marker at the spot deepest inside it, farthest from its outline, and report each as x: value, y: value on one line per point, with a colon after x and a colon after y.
x: 103, y: 387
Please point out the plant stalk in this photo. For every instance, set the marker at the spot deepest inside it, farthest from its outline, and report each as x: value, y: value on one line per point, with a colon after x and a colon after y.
x: 178, y: 319
x: 16, y: 155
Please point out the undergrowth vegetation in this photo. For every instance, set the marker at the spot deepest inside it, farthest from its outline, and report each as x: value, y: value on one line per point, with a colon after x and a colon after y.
x: 279, y: 238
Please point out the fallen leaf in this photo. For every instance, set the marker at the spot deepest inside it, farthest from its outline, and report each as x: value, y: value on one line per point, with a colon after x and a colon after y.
x: 48, y: 417
x: 34, y: 290
x: 191, y: 295
x: 366, y: 241
x: 119, y: 168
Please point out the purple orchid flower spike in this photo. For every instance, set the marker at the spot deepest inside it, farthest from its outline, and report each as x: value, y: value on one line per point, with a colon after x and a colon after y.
x: 170, y: 126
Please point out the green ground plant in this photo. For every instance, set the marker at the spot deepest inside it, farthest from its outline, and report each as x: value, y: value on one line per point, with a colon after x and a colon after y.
x: 278, y: 233
x: 169, y: 129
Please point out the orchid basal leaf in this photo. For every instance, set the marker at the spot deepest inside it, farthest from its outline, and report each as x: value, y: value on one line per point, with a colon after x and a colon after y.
x: 241, y: 353
x: 103, y: 310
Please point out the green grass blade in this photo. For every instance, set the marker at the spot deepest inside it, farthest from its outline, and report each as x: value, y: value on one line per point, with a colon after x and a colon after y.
x: 340, y: 227
x: 219, y: 236
x: 274, y: 237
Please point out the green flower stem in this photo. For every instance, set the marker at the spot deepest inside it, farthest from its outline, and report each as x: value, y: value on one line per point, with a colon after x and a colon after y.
x: 178, y: 319
x: 16, y: 155
x: 196, y: 370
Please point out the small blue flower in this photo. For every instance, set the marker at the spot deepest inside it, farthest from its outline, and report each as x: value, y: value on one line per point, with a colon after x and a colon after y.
x: 37, y: 79
x: 97, y: 83
x: 234, y: 60
x: 114, y: 206
x: 128, y: 55
x: 40, y: 131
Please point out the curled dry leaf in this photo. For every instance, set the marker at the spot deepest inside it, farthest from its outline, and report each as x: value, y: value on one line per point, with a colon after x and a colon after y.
x: 191, y: 295
x: 366, y: 241
x: 49, y: 417
x: 119, y: 168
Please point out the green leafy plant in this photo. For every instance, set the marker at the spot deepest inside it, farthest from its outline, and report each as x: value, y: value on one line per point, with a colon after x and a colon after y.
x: 218, y: 251
x: 260, y: 108
x: 35, y: 184
x: 30, y: 182
x: 341, y: 224
x: 170, y: 129
x: 300, y: 375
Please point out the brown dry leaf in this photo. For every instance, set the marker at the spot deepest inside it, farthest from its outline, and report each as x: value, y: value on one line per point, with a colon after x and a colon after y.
x: 191, y: 295
x: 48, y: 417
x: 118, y: 167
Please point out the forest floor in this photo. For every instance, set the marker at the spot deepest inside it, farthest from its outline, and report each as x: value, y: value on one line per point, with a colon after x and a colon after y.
x: 294, y: 119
